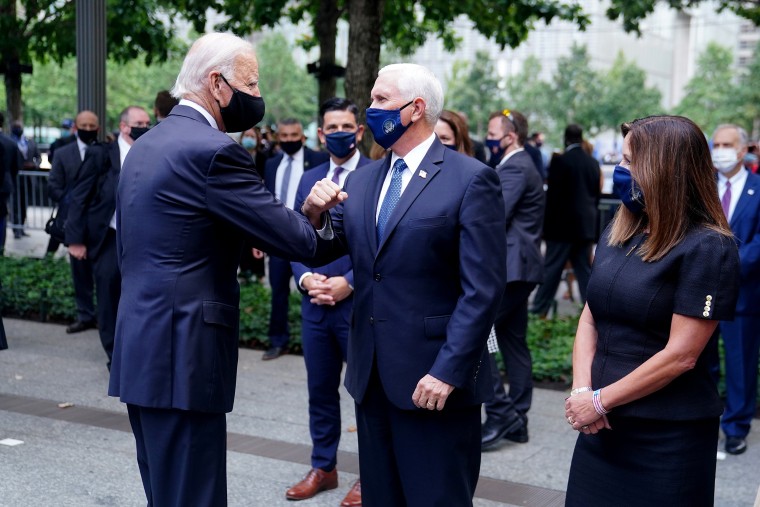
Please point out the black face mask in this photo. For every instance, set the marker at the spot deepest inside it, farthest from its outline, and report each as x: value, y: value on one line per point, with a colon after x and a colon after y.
x: 87, y: 136
x: 17, y: 131
x: 135, y: 132
x: 291, y: 147
x: 243, y: 112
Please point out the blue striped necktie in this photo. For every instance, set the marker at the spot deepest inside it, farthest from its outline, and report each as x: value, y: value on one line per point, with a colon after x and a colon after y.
x: 391, y: 198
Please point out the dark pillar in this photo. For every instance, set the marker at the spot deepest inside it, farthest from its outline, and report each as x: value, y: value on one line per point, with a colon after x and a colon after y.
x: 91, y: 59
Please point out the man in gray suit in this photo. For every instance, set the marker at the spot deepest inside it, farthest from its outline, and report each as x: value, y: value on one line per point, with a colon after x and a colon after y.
x: 522, y: 189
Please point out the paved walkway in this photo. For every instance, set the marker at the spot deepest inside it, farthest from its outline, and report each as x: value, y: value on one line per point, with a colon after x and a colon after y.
x: 83, y: 455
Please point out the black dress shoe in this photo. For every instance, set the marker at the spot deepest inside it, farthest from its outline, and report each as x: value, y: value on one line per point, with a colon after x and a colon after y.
x: 494, y: 431
x: 735, y: 445
x: 273, y: 353
x: 520, y: 435
x: 79, y: 326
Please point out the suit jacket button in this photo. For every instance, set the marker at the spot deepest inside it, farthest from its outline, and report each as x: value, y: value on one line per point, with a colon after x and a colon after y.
x: 371, y: 321
x: 378, y: 277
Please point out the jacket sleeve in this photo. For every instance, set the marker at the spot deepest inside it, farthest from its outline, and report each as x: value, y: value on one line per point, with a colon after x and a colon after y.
x: 236, y: 194
x: 482, y: 277
x: 81, y: 195
x: 512, y: 189
x: 57, y: 180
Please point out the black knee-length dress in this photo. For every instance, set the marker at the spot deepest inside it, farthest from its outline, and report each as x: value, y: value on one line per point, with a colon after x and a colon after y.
x: 662, y: 448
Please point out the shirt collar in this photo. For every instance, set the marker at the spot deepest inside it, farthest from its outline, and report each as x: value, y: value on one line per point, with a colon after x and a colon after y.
x: 414, y: 158
x: 200, y: 109
x: 510, y: 154
x: 349, y: 165
x: 80, y: 144
x: 736, y: 178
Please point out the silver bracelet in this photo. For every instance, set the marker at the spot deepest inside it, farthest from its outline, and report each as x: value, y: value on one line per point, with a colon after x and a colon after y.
x: 579, y: 390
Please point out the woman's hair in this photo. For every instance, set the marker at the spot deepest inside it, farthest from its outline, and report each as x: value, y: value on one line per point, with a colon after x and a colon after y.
x: 671, y: 163
x: 461, y: 133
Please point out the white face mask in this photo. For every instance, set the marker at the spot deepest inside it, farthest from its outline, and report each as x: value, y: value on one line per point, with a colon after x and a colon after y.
x: 725, y: 159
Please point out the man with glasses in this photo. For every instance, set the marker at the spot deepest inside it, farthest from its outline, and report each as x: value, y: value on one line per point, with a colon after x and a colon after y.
x: 91, y: 224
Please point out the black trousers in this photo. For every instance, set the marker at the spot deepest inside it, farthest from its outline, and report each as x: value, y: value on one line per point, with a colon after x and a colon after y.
x: 280, y: 274
x: 557, y: 254
x: 108, y: 289
x: 82, y: 277
x: 416, y: 458
x: 511, y: 327
x: 182, y: 456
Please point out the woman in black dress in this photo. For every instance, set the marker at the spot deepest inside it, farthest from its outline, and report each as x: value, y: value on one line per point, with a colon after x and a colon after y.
x: 665, y: 272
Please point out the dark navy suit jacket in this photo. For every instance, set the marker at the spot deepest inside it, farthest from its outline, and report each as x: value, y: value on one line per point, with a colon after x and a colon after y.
x: 311, y: 159
x: 93, y: 198
x: 65, y: 171
x: 745, y: 224
x: 426, y: 296
x: 188, y: 197
x: 339, y: 267
x: 523, y: 191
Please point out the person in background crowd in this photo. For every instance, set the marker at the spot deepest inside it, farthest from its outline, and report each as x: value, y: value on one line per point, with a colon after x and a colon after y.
x: 326, y: 308
x: 739, y: 193
x: 63, y: 177
x: 531, y: 147
x: 417, y: 225
x: 30, y: 157
x: 452, y: 131
x: 478, y: 148
x: 282, y: 174
x: 68, y: 128
x: 252, y: 259
x: 523, y: 192
x: 163, y: 105
x: 188, y: 195
x: 666, y: 271
x: 91, y: 224
x: 751, y: 162
x: 11, y: 164
x: 570, y: 221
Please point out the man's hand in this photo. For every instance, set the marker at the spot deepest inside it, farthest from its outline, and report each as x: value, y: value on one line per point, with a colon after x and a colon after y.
x: 431, y: 393
x: 78, y: 251
x: 324, y: 196
x: 326, y: 291
x: 257, y: 254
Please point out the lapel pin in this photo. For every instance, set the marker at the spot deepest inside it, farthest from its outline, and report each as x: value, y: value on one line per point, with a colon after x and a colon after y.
x: 751, y: 191
x: 423, y: 174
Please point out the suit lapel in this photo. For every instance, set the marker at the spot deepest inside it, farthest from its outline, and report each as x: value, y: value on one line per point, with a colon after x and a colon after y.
x: 749, y: 193
x: 425, y: 173
x: 370, y: 203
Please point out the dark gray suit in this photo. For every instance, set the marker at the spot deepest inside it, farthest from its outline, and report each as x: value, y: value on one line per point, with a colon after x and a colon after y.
x: 522, y: 189
x: 63, y: 176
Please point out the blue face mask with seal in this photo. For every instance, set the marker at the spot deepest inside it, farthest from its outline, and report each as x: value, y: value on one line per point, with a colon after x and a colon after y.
x: 340, y: 144
x: 627, y: 190
x: 386, y: 125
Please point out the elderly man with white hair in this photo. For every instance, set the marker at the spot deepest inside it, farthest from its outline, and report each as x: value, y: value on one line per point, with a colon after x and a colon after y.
x: 425, y: 231
x: 188, y: 198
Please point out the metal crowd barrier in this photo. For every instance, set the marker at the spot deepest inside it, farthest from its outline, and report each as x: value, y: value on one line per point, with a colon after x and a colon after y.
x: 30, y: 206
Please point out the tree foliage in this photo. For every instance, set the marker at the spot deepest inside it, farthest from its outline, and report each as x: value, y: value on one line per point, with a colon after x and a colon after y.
x: 710, y: 93
x: 625, y: 94
x: 633, y: 12
x: 473, y: 88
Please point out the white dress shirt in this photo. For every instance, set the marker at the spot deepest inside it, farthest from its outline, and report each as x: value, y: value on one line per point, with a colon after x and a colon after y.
x: 82, y: 148
x: 737, y: 187
x: 413, y: 160
x: 295, y: 177
x: 200, y: 109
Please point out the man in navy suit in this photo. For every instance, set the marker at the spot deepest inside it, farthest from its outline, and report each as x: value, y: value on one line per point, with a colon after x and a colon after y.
x: 282, y: 174
x: 91, y: 223
x: 739, y: 191
x: 326, y: 308
x: 523, y: 191
x: 188, y: 198
x: 11, y: 164
x: 63, y: 176
x: 425, y: 231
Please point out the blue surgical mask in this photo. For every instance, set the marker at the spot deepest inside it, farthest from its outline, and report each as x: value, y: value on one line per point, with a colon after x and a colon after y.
x: 386, y: 125
x: 248, y: 143
x: 340, y: 144
x: 627, y: 190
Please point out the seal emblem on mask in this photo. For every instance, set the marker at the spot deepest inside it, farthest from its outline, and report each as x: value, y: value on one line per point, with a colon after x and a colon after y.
x: 388, y: 126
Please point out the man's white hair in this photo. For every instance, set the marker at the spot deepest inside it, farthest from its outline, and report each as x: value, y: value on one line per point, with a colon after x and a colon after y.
x: 213, y: 51
x: 418, y: 81
x: 743, y: 137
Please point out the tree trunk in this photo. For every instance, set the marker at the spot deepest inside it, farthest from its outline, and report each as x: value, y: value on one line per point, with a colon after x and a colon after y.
x: 12, y: 73
x: 326, y: 30
x: 365, y: 18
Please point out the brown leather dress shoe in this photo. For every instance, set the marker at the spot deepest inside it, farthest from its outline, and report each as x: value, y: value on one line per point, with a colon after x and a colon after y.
x: 354, y: 496
x: 315, y: 481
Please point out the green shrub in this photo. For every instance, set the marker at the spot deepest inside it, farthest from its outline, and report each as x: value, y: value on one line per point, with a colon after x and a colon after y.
x: 37, y: 288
